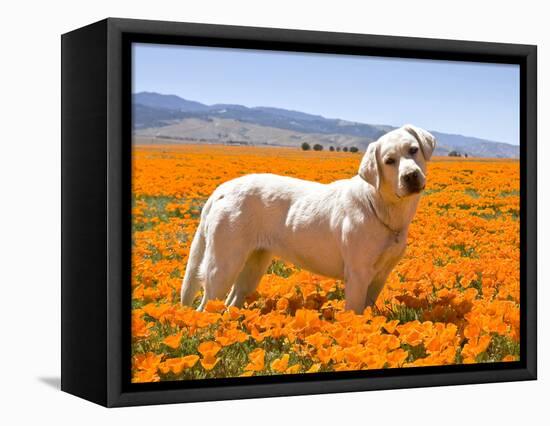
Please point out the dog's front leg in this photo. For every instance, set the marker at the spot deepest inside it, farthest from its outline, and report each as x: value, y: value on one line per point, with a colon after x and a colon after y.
x: 357, y: 282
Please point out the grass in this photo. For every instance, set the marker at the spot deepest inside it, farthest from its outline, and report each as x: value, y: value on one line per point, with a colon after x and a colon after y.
x: 499, y: 347
x: 512, y: 193
x: 337, y: 293
x: 488, y: 216
x: 279, y: 268
x: 155, y: 207
x: 472, y: 193
x: 464, y: 250
x: 232, y: 358
x: 477, y: 284
x: 403, y: 313
x: 432, y: 191
x: 415, y: 352
x: 438, y: 261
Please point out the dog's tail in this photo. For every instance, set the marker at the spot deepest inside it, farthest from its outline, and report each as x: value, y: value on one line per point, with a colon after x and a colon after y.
x: 192, y: 279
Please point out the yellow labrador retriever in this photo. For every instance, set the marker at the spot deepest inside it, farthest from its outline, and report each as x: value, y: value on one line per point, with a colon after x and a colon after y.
x: 352, y: 229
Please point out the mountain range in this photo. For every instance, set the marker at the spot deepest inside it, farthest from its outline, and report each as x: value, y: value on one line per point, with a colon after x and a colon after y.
x: 172, y: 117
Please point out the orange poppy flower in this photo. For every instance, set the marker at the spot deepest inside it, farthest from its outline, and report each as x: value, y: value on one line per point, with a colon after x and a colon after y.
x: 174, y: 340
x: 214, y: 306
x: 281, y: 364
x: 314, y: 368
x: 208, y: 348
x: 293, y: 369
x: 257, y: 360
x: 177, y: 365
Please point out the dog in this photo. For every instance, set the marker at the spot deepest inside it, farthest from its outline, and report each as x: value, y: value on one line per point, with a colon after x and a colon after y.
x: 352, y: 229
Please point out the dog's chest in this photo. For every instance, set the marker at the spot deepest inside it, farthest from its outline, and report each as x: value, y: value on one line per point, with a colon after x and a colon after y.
x: 392, y: 251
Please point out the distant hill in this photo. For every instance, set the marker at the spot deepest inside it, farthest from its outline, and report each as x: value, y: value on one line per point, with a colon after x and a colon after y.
x: 223, y: 130
x: 170, y: 102
x: 169, y: 116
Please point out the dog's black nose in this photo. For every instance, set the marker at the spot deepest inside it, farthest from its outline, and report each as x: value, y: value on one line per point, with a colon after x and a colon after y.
x: 411, y: 176
x: 413, y: 181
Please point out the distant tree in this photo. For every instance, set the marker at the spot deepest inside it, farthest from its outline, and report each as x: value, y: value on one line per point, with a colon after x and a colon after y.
x: 317, y: 147
x: 454, y: 154
x: 331, y: 148
x: 306, y: 146
x: 353, y: 149
x: 345, y: 149
x: 338, y: 149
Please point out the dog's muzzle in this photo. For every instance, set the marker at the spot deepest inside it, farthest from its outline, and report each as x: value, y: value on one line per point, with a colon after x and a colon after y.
x: 413, y: 182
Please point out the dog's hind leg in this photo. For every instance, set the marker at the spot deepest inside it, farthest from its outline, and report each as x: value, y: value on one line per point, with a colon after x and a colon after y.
x: 191, y: 280
x: 220, y: 270
x: 249, y: 278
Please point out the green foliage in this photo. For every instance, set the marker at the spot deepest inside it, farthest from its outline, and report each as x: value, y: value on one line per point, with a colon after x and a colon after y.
x: 337, y: 292
x: 415, y: 352
x: 512, y: 193
x: 278, y: 267
x: 403, y: 313
x: 499, y: 347
x: 464, y: 250
x: 156, y: 207
x: 477, y: 284
x: 472, y: 192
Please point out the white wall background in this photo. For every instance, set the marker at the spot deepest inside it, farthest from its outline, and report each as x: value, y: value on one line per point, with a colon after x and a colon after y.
x: 30, y: 210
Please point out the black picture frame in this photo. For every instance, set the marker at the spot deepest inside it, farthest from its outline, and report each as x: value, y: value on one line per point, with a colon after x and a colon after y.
x: 96, y: 155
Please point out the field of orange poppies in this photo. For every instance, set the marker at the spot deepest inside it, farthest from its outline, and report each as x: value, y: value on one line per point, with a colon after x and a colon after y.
x: 453, y: 298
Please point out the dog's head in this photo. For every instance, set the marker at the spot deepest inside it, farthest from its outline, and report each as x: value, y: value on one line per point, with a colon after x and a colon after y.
x: 396, y: 163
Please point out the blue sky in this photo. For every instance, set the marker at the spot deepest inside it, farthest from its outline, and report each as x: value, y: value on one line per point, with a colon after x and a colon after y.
x: 472, y: 99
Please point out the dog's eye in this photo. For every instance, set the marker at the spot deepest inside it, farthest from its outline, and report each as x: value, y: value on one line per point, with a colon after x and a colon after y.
x: 389, y: 161
x: 413, y: 150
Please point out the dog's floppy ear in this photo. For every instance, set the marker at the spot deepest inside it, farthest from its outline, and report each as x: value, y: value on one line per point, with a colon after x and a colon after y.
x: 368, y: 169
x: 425, y: 139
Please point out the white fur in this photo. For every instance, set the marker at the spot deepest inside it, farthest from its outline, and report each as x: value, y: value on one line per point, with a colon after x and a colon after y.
x: 352, y: 229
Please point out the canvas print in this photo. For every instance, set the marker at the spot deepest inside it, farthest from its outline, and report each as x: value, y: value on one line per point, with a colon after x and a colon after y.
x: 297, y: 213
